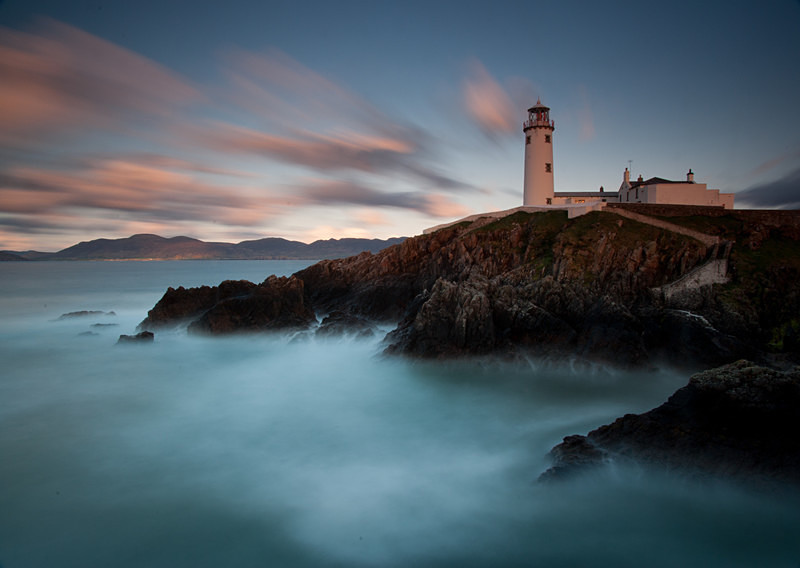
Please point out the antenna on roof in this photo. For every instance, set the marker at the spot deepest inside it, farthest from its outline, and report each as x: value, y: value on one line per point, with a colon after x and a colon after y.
x: 630, y: 166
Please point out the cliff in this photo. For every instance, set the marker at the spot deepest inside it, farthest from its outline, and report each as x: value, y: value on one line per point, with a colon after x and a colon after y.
x: 540, y: 284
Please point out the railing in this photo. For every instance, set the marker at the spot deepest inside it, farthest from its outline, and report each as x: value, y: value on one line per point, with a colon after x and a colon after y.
x: 532, y: 123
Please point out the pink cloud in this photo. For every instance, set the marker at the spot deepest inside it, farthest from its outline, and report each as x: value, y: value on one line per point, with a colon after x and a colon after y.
x: 765, y: 167
x: 442, y: 206
x: 131, y: 190
x: 326, y: 192
x: 58, y: 80
x: 585, y: 117
x: 487, y: 102
x: 340, y: 151
x: 371, y: 218
x: 309, y: 120
x: 344, y: 151
x: 60, y: 77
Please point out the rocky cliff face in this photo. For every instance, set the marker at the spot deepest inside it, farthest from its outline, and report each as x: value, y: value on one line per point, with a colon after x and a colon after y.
x: 525, y: 284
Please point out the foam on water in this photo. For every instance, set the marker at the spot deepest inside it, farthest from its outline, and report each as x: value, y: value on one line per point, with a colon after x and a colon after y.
x: 261, y: 450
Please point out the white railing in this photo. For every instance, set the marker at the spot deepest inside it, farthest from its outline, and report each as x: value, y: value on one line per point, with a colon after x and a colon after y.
x: 532, y: 123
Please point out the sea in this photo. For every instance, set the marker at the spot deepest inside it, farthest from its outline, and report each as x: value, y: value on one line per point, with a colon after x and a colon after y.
x: 276, y: 450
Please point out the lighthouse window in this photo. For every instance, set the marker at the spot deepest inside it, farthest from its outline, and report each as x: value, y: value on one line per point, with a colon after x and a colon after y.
x: 548, y: 167
x: 527, y: 140
x: 547, y: 138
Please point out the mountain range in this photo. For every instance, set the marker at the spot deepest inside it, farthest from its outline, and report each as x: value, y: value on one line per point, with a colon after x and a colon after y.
x: 154, y: 247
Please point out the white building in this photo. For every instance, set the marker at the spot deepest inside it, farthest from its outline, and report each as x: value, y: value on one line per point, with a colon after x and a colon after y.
x: 539, y: 168
x: 539, y: 194
x: 664, y: 191
x: 538, y: 131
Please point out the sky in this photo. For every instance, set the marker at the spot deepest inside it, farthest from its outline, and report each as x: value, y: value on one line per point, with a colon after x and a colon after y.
x: 245, y: 119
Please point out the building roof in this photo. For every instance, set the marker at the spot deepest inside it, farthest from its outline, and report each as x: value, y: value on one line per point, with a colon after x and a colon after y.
x: 654, y: 181
x: 538, y: 106
x: 586, y: 194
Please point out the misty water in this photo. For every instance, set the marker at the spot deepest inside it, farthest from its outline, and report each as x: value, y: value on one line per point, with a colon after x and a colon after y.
x: 268, y: 451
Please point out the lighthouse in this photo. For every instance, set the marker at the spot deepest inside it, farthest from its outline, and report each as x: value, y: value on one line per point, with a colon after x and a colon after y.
x: 538, y: 131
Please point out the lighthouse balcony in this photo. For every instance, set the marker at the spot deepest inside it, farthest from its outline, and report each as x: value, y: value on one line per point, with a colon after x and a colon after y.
x: 534, y: 123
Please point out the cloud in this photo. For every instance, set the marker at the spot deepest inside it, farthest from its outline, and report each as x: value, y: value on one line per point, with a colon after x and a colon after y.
x: 286, y: 94
x: 783, y: 193
x: 325, y: 192
x: 371, y: 218
x: 58, y: 82
x: 342, y: 151
x: 585, y: 117
x: 276, y: 87
x: 315, y: 151
x: 487, y: 103
x: 775, y: 162
x: 133, y: 190
x: 163, y: 161
x: 61, y: 78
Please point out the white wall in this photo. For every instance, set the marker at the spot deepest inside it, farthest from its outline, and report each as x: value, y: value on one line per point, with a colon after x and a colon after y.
x: 539, y: 182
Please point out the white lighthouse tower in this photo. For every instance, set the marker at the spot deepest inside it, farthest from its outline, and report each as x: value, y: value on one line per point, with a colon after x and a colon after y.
x: 538, y: 131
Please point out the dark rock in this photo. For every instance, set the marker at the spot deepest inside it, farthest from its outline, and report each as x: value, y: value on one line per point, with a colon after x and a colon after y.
x: 740, y: 420
x: 85, y: 313
x: 455, y: 318
x: 575, y: 455
x: 611, y: 334
x: 276, y: 304
x: 684, y: 339
x: 339, y: 323
x: 105, y: 325
x: 181, y: 305
x: 142, y: 337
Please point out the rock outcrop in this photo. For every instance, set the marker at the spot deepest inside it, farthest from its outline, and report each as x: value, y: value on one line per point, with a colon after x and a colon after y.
x: 740, y: 421
x: 532, y: 284
x: 141, y: 337
x: 235, y: 306
x: 84, y: 314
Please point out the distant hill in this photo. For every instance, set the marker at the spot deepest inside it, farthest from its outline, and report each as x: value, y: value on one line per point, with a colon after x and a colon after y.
x: 8, y: 256
x: 154, y: 247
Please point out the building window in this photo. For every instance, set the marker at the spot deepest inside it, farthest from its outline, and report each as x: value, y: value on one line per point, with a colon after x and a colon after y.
x: 547, y: 138
x: 548, y: 167
x: 527, y: 140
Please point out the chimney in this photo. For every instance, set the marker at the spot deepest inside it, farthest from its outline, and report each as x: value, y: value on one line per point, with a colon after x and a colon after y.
x: 626, y: 176
x: 690, y: 176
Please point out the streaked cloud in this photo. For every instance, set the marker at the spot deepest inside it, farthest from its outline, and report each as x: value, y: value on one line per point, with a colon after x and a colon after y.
x: 488, y: 104
x: 326, y: 192
x: 58, y: 82
x: 585, y: 117
x: 783, y: 193
x: 308, y: 149
x: 60, y: 77
x: 309, y: 120
x: 131, y: 190
x: 765, y: 167
x: 371, y: 218
x: 344, y: 150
